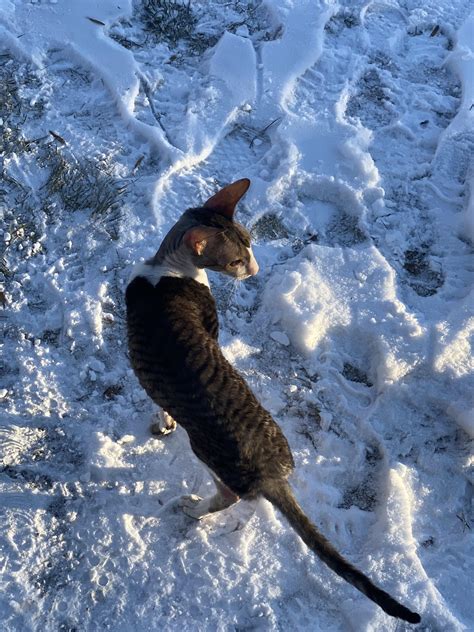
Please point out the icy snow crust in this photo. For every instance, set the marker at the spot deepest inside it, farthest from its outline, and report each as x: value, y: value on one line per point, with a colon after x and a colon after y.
x: 354, y: 122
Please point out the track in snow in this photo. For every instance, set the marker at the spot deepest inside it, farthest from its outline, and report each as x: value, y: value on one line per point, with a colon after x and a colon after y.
x: 354, y: 209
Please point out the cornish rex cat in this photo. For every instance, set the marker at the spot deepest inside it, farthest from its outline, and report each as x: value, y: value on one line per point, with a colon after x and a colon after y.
x: 172, y: 336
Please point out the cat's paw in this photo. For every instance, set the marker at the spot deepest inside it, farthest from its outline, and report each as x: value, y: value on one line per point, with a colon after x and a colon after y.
x: 194, y: 506
x: 162, y: 424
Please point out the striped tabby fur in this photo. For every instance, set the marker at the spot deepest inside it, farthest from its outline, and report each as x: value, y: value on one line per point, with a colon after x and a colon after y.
x: 174, y: 351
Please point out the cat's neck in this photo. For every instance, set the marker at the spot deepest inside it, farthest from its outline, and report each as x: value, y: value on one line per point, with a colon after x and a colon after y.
x: 175, y: 264
x: 172, y: 258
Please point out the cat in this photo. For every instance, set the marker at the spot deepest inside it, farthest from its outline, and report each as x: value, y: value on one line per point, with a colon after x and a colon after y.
x: 172, y: 337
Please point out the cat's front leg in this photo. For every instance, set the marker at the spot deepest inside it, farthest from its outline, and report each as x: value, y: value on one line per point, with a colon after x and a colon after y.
x: 162, y: 423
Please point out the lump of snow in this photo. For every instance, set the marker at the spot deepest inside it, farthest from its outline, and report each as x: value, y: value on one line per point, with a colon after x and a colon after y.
x: 280, y: 337
x: 453, y: 351
x: 126, y: 439
x: 234, y: 63
x: 321, y: 302
x: 138, y: 395
x: 464, y: 418
x: 243, y: 31
x: 96, y: 365
x: 306, y: 305
x: 237, y: 349
x: 378, y: 205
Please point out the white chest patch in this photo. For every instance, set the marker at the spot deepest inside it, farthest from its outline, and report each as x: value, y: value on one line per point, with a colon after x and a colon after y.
x: 153, y: 273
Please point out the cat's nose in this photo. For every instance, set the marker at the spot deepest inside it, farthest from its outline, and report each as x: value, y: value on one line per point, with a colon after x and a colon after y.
x: 252, y: 267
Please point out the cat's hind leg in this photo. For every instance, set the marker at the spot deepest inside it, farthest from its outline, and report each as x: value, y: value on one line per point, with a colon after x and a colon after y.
x: 162, y: 423
x: 197, y: 507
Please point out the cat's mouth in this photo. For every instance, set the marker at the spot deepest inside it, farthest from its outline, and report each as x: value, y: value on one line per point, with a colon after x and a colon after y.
x: 238, y: 277
x: 245, y: 272
x: 246, y: 275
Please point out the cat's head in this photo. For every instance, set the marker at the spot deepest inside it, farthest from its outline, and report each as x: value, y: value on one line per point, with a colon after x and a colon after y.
x: 218, y: 242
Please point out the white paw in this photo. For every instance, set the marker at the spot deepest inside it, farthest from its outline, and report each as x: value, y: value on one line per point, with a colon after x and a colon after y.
x: 194, y: 506
x: 159, y: 431
x: 162, y: 424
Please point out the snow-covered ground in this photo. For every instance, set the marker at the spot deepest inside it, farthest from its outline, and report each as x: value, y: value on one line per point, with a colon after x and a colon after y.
x: 354, y: 121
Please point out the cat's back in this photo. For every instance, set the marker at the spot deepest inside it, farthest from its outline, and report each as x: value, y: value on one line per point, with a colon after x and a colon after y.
x: 167, y: 319
x: 172, y: 331
x: 170, y: 302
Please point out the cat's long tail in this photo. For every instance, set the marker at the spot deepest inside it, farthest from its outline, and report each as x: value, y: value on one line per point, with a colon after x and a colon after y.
x: 280, y: 495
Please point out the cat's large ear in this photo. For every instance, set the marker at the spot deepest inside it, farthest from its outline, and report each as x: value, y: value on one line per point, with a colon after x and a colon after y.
x: 196, y: 238
x: 225, y: 200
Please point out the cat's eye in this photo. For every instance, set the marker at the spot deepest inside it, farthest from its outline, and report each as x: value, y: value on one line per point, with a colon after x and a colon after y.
x: 235, y: 263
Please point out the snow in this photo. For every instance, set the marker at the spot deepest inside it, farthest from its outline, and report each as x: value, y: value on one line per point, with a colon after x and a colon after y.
x: 354, y: 122
x: 233, y: 61
x: 462, y: 62
x: 312, y: 303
